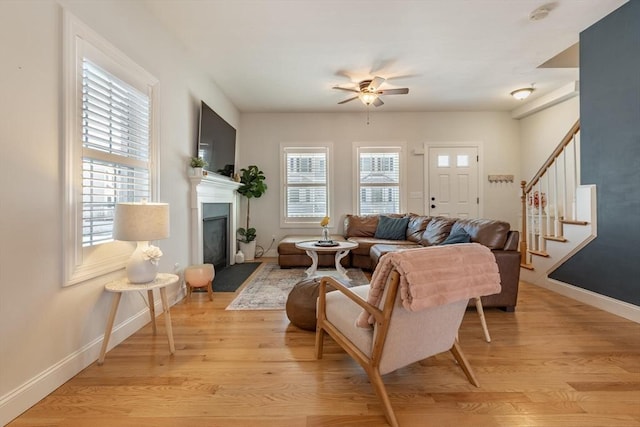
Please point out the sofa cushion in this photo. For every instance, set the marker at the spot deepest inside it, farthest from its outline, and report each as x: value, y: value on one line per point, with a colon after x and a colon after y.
x: 391, y: 228
x: 488, y: 232
x: 459, y: 236
x: 415, y: 228
x: 360, y: 225
x: 438, y: 229
x: 365, y: 243
x: 363, y: 225
x: 377, y: 251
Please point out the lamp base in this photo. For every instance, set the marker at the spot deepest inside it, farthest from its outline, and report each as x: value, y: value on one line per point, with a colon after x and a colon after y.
x: 140, y: 269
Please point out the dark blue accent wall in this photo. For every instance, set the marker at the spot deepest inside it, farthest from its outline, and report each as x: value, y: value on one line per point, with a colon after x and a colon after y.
x: 610, y: 155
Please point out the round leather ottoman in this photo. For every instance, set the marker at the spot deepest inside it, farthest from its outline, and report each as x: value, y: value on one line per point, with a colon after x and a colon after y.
x: 301, y: 303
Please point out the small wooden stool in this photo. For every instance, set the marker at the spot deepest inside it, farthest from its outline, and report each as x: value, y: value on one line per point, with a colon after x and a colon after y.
x: 199, y: 276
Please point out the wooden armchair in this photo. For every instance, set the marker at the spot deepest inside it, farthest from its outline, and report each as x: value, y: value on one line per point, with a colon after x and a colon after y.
x: 414, y: 305
x: 411, y: 310
x: 398, y: 338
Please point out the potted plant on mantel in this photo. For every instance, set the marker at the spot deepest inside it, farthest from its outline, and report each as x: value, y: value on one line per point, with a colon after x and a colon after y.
x: 253, y: 185
x: 197, y: 163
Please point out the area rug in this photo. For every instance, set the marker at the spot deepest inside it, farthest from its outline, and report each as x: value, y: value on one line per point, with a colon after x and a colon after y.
x: 269, y: 288
x: 230, y: 278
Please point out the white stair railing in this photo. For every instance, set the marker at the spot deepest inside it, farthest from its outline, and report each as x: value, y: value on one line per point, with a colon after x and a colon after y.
x: 549, y: 200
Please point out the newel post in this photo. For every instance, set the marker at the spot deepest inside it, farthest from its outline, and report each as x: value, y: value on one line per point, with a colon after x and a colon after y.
x: 523, y: 238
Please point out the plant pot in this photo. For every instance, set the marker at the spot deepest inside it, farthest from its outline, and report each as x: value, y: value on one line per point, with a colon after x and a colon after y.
x: 248, y: 249
x: 196, y: 172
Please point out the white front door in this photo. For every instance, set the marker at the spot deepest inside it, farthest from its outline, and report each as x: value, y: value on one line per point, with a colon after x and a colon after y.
x: 453, y: 182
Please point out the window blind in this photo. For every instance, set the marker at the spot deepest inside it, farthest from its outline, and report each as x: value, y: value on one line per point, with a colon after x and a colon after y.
x: 379, y: 182
x: 306, y: 183
x: 116, y: 149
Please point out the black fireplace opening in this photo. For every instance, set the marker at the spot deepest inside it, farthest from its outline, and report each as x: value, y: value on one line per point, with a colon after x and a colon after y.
x: 215, y: 235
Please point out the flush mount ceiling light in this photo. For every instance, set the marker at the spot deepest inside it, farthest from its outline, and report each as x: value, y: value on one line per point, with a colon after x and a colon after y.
x: 542, y: 11
x: 522, y: 93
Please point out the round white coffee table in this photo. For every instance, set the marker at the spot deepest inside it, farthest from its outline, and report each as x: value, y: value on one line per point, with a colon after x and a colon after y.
x: 312, y: 248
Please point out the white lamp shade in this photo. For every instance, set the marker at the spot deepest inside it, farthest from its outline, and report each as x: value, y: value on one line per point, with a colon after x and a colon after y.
x: 136, y: 222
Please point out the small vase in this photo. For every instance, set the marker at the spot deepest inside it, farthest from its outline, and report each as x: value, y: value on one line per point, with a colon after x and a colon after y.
x: 325, y: 234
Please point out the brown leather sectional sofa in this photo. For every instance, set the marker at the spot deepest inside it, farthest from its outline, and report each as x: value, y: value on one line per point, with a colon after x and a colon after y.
x: 421, y: 231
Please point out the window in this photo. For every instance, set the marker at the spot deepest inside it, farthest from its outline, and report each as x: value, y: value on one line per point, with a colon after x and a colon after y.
x: 110, y: 153
x: 115, y: 150
x: 379, y: 180
x: 462, y: 161
x: 306, y: 194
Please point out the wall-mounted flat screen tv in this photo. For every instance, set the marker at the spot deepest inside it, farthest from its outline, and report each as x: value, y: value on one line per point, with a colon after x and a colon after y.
x: 216, y: 142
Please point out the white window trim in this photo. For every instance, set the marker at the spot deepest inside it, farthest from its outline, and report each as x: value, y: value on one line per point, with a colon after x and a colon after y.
x: 311, y: 222
x: 381, y: 146
x: 81, y: 264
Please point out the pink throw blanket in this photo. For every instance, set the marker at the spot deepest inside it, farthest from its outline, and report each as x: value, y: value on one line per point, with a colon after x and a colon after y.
x: 436, y: 275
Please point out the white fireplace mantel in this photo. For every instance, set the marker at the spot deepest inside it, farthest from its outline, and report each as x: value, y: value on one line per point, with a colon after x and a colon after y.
x: 212, y: 188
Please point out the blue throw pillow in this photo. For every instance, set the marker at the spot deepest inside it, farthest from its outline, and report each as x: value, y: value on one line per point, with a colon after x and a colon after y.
x: 459, y: 236
x: 392, y: 228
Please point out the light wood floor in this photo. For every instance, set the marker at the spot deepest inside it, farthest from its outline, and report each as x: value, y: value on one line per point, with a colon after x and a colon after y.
x: 554, y: 362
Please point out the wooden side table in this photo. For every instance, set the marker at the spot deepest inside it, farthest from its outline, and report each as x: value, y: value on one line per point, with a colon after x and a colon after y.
x: 118, y: 287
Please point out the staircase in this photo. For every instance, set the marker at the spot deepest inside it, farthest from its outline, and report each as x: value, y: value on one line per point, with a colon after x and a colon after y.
x: 558, y: 214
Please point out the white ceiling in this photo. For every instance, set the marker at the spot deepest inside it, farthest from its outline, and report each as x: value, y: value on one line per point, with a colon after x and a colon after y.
x: 454, y: 55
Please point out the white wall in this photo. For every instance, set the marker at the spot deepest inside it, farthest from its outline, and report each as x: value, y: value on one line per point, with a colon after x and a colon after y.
x: 260, y: 136
x: 541, y: 133
x: 47, y: 332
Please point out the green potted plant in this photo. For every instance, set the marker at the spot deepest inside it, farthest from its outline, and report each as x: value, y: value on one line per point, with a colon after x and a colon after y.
x: 197, y: 163
x: 253, y: 185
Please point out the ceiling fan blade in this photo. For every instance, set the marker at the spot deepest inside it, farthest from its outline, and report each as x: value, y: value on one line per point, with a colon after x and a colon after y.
x: 347, y: 100
x: 375, y: 83
x: 378, y: 102
x: 399, y: 91
x: 347, y: 89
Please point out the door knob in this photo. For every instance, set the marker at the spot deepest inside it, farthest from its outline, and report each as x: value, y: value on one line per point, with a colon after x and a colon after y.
x: 433, y: 206
x: 433, y: 199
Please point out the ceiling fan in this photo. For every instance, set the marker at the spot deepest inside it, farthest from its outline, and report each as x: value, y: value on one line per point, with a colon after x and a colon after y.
x: 369, y: 92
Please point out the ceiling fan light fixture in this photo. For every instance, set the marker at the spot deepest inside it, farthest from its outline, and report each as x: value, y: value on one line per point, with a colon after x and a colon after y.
x: 522, y: 93
x: 368, y: 98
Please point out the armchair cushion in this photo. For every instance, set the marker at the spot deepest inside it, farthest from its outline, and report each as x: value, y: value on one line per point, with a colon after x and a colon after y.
x: 341, y: 312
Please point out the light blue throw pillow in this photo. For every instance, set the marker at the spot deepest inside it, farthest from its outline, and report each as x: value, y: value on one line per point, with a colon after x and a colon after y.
x: 392, y: 228
x: 459, y: 236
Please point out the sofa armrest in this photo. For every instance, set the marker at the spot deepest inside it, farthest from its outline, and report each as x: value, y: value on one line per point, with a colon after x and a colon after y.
x: 509, y: 268
x: 513, y: 238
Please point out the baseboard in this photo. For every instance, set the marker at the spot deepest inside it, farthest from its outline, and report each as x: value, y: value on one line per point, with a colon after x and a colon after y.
x: 18, y: 400
x: 603, y: 302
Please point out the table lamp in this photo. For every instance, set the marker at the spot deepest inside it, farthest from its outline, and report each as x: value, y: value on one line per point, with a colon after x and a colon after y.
x: 141, y: 222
